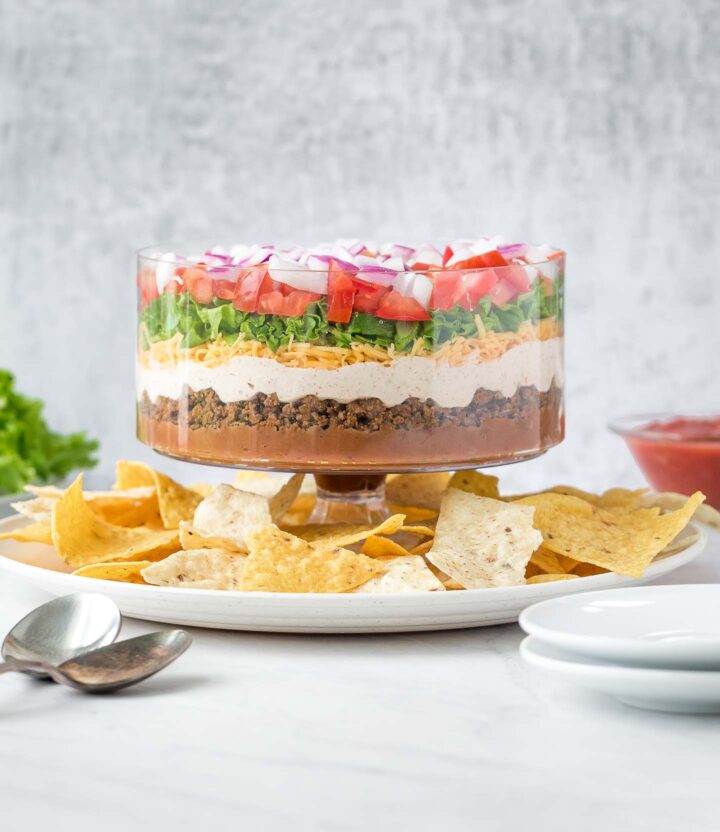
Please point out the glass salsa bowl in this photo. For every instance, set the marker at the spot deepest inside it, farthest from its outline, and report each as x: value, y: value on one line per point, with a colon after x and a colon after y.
x: 349, y: 358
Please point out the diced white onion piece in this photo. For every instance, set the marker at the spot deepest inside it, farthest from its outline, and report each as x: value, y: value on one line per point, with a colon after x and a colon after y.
x: 239, y: 251
x: 377, y: 275
x: 414, y: 285
x: 363, y: 260
x: 221, y: 250
x: 394, y: 263
x: 165, y: 271
x: 293, y: 274
x: 483, y: 246
x: 426, y: 254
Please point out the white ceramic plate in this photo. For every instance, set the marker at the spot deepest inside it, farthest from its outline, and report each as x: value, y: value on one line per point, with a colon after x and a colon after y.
x: 682, y: 691
x: 651, y: 626
x: 308, y: 613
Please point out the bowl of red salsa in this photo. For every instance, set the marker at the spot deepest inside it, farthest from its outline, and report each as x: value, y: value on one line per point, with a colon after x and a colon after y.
x: 676, y: 453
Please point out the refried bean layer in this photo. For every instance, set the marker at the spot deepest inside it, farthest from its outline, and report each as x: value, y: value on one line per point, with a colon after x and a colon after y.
x: 312, y: 433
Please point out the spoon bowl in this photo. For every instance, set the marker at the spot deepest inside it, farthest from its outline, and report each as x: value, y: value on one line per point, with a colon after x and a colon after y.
x: 112, y: 667
x: 62, y: 629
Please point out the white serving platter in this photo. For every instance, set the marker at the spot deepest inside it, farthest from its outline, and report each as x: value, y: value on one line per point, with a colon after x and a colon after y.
x: 40, y: 566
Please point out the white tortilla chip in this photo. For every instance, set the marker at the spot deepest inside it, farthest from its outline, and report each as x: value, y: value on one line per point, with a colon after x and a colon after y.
x: 280, y: 503
x: 403, y: 574
x: 227, y: 514
x: 38, y: 509
x: 482, y: 542
x: 197, y: 569
x: 671, y: 501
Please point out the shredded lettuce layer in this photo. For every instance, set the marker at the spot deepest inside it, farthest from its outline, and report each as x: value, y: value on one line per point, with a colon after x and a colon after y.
x: 171, y: 314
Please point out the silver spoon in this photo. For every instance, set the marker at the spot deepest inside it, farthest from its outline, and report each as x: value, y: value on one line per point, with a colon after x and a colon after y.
x: 62, y: 629
x: 114, y: 666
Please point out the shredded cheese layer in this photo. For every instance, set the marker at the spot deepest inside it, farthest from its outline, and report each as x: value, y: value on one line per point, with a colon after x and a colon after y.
x: 485, y: 347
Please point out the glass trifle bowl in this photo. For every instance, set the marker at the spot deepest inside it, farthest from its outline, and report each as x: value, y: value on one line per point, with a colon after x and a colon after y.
x: 351, y: 360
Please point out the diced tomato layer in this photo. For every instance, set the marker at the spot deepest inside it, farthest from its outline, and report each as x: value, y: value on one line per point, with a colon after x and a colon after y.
x: 173, y: 288
x: 147, y: 286
x: 341, y: 294
x: 368, y: 298
x: 224, y: 289
x: 297, y: 302
x: 271, y: 303
x: 199, y: 284
x: 424, y: 267
x: 247, y: 290
x: 395, y: 307
x: 472, y: 287
x: 517, y: 277
x: 445, y: 288
x: 488, y: 260
x: 447, y: 255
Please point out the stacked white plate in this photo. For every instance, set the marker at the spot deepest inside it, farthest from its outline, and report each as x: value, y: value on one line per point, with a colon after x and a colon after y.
x: 655, y: 647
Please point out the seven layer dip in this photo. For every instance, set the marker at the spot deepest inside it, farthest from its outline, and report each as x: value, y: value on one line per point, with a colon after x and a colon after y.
x: 352, y: 356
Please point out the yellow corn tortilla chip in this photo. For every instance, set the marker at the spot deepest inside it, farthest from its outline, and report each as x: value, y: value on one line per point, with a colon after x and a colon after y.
x: 422, y: 548
x: 280, y: 562
x: 202, y: 488
x: 403, y: 574
x: 474, y: 482
x: 423, y: 531
x: 587, y: 570
x: 175, y: 502
x: 345, y: 534
x: 382, y: 547
x: 547, y: 561
x: 424, y: 490
x: 198, y: 569
x: 680, y: 543
x: 131, y: 507
x: 300, y: 510
x: 547, y: 578
x: 191, y: 539
x: 34, y: 533
x: 670, y: 500
x: 623, y: 542
x: 413, y: 514
x: 127, y: 572
x: 481, y: 542
x: 82, y: 538
x: 38, y: 509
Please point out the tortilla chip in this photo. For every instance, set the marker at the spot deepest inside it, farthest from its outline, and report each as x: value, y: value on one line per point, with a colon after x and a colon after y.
x: 403, y: 574
x: 334, y: 535
x: 198, y: 569
x: 670, y: 500
x: 202, y: 488
x: 424, y: 490
x: 191, y: 539
x: 127, y: 572
x: 481, y: 542
x: 423, y: 531
x: 175, y: 502
x: 34, y: 533
x: 414, y: 514
x: 38, y: 509
x: 383, y: 547
x: 623, y: 542
x: 422, y: 548
x: 82, y: 538
x: 300, y: 510
x: 549, y: 578
x: 547, y: 561
x: 474, y: 482
x: 587, y: 570
x: 280, y: 562
x: 131, y: 507
x: 228, y: 514
x: 281, y: 501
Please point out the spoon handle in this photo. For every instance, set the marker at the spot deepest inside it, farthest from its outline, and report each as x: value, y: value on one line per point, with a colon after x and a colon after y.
x: 21, y: 665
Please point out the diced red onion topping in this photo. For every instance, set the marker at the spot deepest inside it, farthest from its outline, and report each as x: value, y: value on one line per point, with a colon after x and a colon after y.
x: 294, y: 274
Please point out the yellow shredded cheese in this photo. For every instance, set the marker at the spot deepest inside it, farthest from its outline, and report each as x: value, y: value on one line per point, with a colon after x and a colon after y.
x: 485, y: 347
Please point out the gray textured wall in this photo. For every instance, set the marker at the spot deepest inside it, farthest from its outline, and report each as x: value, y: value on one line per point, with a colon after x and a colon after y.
x: 592, y: 125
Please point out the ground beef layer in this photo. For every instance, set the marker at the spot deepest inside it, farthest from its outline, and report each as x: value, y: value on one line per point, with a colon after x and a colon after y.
x: 203, y: 409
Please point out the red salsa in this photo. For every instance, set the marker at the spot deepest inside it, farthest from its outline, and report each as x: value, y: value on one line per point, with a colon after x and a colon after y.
x: 680, y: 454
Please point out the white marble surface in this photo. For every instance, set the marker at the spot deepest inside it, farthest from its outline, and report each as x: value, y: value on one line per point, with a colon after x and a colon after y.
x: 406, y: 732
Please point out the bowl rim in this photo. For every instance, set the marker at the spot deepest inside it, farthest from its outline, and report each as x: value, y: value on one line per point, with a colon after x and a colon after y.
x: 635, y: 425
